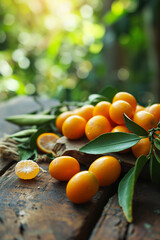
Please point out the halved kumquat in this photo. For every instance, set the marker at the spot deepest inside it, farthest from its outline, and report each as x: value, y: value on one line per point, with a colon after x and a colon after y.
x: 46, y: 142
x: 26, y: 169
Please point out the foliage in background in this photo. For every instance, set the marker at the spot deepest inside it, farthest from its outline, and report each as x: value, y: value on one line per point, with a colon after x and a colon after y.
x: 69, y: 49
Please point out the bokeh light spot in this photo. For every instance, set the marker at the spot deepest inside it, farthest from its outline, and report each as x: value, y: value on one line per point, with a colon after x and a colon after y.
x: 86, y: 11
x: 117, y: 8
x: 11, y: 84
x: 30, y: 89
x: 5, y: 68
x: 123, y: 74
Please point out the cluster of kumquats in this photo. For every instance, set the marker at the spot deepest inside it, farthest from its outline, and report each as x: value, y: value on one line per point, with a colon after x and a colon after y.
x: 92, y: 121
x: 105, y: 117
x: 82, y: 185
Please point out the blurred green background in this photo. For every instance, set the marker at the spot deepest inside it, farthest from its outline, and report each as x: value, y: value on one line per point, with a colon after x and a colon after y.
x: 71, y: 48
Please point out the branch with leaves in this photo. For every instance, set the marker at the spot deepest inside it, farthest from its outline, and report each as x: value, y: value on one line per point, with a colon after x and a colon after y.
x: 106, y: 143
x: 115, y: 142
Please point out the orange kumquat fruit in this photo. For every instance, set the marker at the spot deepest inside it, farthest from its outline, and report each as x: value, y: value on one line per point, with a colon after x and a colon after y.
x: 102, y: 108
x: 139, y: 108
x: 46, y: 142
x: 86, y: 111
x: 82, y: 187
x: 127, y: 97
x: 63, y: 168
x: 61, y: 118
x: 120, y: 128
x: 107, y: 169
x: 117, y: 109
x: 142, y: 147
x: 26, y: 169
x: 155, y: 110
x: 96, y: 126
x: 145, y: 119
x: 74, y: 127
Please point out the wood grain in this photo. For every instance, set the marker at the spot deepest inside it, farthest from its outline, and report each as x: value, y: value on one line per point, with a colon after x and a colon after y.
x: 15, y: 106
x: 146, y: 217
x: 112, y: 222
x: 146, y: 213
x: 65, y: 146
x: 39, y: 209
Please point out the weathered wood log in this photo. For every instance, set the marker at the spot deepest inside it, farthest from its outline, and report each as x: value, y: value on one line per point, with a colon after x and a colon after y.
x: 15, y: 106
x: 39, y: 209
x: 146, y: 220
x: 65, y: 146
x: 112, y: 222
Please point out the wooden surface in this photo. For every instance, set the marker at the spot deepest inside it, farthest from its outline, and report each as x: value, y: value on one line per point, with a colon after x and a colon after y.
x: 39, y: 208
x: 146, y: 213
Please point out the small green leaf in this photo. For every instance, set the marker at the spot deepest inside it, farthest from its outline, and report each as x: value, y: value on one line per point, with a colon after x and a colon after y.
x: 154, y: 170
x: 110, y: 142
x: 108, y: 92
x: 157, y: 143
x: 156, y: 156
x: 30, y: 119
x: 50, y: 156
x: 33, y: 139
x: 134, y: 127
x: 127, y: 185
x: 95, y: 98
x: 24, y: 133
x: 25, y: 154
x: 35, y: 155
x: 25, y: 144
x: 21, y: 139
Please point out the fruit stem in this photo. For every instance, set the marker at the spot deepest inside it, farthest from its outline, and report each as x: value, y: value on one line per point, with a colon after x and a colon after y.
x: 42, y: 169
x: 54, y: 154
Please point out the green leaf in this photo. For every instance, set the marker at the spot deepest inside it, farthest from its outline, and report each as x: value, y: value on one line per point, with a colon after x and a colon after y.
x: 157, y: 143
x: 108, y: 92
x: 95, y: 98
x: 134, y: 127
x: 156, y: 156
x: 154, y: 170
x: 24, y: 133
x: 50, y: 156
x: 127, y: 185
x: 25, y: 154
x: 33, y: 139
x: 25, y: 144
x: 30, y: 119
x: 110, y: 142
x: 21, y: 140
